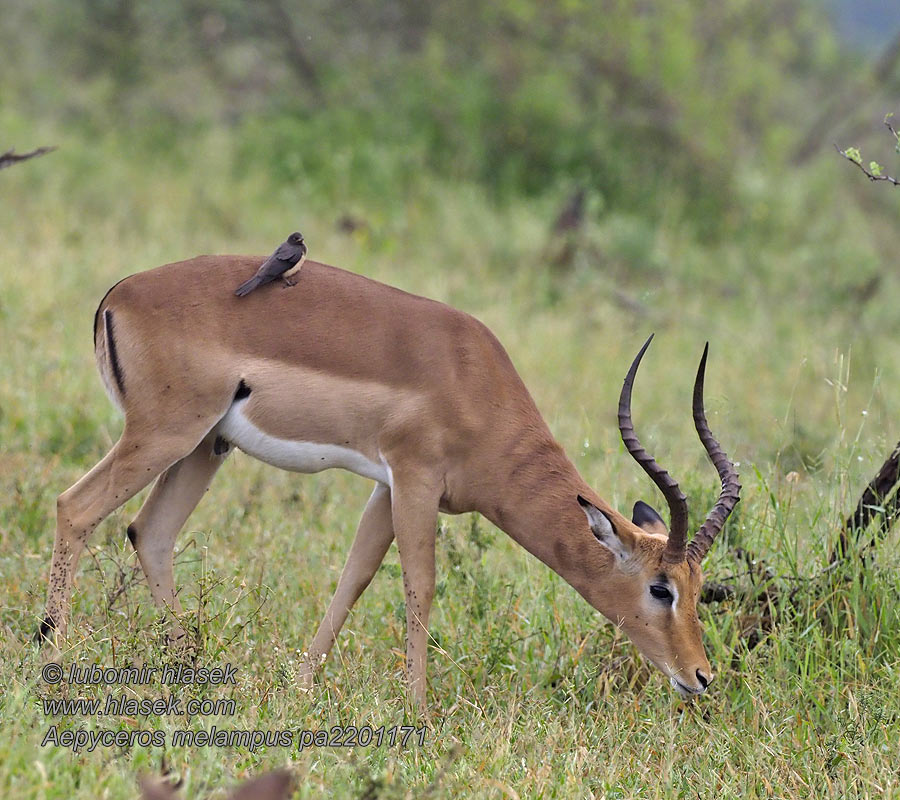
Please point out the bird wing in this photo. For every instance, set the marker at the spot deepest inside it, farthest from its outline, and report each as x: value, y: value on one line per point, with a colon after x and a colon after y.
x: 274, y: 266
x: 287, y: 252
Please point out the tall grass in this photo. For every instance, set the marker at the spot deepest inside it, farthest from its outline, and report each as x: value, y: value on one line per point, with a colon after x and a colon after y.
x: 533, y: 695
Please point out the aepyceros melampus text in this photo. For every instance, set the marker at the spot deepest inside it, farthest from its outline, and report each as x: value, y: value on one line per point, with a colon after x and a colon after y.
x: 342, y: 371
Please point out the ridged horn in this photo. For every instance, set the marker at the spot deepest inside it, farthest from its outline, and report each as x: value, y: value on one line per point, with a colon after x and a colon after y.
x: 675, y: 549
x: 731, y: 488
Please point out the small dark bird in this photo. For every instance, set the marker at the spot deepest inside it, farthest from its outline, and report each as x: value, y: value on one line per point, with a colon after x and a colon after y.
x: 572, y: 214
x: 284, y: 263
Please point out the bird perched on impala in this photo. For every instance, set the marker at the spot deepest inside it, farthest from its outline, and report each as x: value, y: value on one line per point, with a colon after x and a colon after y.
x: 284, y: 263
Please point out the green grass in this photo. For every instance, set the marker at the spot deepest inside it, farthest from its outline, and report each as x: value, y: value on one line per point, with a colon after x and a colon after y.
x: 533, y: 694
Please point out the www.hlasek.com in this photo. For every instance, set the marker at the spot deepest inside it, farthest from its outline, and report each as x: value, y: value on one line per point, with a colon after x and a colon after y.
x: 110, y: 705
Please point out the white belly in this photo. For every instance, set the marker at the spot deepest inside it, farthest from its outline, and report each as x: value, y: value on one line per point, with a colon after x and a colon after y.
x: 295, y: 455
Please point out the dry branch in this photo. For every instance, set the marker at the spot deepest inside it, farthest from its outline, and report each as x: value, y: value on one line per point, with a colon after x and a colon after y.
x: 10, y: 157
x: 878, y: 500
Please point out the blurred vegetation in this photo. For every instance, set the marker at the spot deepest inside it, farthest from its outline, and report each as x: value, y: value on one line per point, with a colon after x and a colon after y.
x: 576, y: 175
x: 672, y: 161
x: 657, y: 108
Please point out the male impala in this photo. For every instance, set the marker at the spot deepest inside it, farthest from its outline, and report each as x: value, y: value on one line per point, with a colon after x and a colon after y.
x: 343, y: 371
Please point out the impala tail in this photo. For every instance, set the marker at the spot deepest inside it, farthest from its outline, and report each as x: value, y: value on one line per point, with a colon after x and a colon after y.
x: 107, y: 354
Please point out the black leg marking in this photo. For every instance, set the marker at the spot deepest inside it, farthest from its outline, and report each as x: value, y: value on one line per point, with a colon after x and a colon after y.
x: 221, y: 446
x: 47, y: 625
x: 132, y: 535
x: 242, y: 391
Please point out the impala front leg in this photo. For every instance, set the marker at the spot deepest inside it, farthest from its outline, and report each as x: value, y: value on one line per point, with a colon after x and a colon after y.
x: 414, y: 507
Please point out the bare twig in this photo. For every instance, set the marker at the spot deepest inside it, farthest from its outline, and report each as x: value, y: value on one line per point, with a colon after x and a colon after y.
x: 873, y: 173
x: 10, y: 157
x: 866, y: 172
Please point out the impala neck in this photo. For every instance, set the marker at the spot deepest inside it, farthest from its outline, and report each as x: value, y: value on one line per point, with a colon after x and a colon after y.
x: 535, y: 504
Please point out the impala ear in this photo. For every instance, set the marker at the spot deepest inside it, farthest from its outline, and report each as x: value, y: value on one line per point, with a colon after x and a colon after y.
x: 620, y: 544
x: 648, y: 518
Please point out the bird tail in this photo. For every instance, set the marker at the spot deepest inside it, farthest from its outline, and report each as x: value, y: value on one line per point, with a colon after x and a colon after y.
x: 248, y: 286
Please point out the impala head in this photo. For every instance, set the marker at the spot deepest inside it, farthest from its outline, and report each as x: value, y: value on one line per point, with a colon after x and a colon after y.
x: 657, y: 576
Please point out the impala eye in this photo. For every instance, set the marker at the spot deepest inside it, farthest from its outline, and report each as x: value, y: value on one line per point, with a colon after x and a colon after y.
x: 661, y: 592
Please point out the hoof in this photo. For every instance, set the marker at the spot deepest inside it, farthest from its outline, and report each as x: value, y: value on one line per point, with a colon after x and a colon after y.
x: 47, y: 626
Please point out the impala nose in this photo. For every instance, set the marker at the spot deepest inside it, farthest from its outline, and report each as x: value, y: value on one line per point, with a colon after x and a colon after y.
x: 704, y: 678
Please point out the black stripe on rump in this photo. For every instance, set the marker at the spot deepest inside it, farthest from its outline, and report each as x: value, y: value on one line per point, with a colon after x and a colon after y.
x: 111, y: 349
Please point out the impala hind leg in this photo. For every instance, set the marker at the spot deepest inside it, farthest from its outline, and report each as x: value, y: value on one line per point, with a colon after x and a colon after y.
x: 155, y: 529
x: 373, y: 538
x: 132, y: 463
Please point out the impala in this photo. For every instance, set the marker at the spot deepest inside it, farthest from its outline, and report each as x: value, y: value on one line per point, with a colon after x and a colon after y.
x: 342, y: 371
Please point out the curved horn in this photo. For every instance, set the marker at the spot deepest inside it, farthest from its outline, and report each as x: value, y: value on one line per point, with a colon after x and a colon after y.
x: 731, y: 488
x: 674, y: 551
